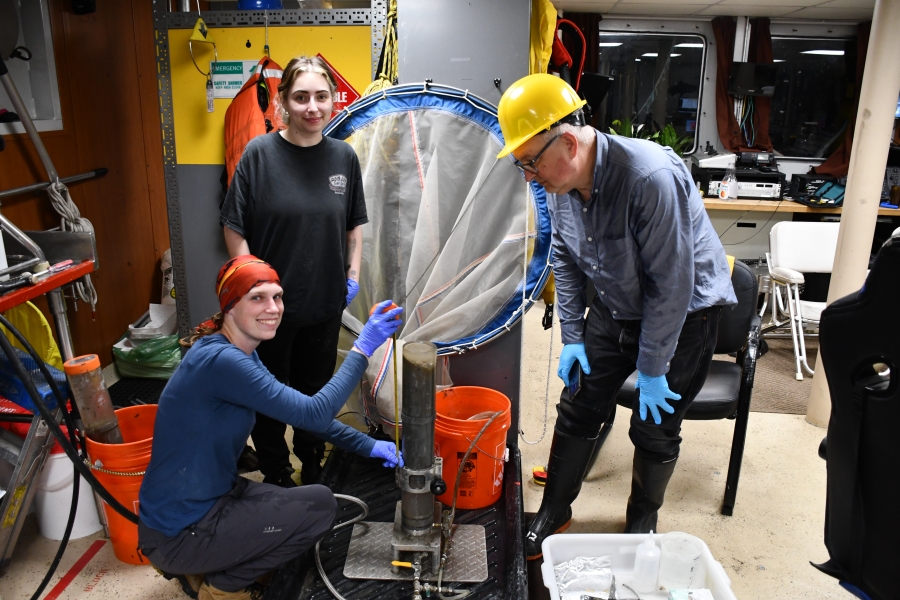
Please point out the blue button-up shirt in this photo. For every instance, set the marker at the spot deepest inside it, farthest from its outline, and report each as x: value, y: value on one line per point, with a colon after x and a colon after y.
x: 644, y: 241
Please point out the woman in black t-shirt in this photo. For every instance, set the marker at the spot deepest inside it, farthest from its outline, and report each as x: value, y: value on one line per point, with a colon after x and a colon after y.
x: 296, y: 201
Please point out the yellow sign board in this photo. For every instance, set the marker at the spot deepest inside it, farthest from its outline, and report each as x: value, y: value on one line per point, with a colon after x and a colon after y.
x: 200, y: 135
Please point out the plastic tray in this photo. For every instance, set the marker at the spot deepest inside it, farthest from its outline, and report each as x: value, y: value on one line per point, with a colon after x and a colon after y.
x: 621, y: 548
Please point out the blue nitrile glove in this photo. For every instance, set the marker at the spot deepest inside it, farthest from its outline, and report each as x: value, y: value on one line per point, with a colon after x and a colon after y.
x: 388, y: 452
x: 380, y: 326
x: 570, y: 353
x: 654, y: 392
x: 352, y: 290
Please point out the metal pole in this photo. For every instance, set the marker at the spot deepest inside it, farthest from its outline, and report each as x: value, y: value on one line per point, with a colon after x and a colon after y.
x: 418, y: 415
x: 37, y: 187
x: 16, y: 233
x: 57, y: 303
x: 868, y: 157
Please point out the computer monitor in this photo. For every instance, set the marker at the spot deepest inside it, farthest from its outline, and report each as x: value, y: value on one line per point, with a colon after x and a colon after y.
x: 752, y: 79
x: 688, y: 105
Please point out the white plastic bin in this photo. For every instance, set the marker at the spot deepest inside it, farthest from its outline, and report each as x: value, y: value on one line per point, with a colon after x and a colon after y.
x: 53, y: 499
x: 620, y: 547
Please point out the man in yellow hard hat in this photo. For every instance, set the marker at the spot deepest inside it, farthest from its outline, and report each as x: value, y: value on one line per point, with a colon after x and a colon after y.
x: 628, y: 221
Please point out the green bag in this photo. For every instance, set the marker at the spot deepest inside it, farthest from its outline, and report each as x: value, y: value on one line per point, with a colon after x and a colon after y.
x: 154, y: 359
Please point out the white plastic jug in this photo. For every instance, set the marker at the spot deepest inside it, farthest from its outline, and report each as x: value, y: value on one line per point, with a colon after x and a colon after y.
x: 53, y: 499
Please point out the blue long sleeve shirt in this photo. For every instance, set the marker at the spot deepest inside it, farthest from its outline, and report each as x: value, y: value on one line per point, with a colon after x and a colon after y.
x: 205, y: 416
x: 644, y: 241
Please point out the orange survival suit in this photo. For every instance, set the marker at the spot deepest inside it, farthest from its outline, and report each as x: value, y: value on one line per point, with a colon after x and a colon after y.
x: 253, y: 112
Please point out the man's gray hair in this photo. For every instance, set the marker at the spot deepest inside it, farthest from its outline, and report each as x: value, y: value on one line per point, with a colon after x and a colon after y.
x: 584, y: 133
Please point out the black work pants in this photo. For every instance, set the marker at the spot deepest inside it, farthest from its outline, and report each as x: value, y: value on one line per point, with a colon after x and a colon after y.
x: 612, y: 350
x: 303, y: 358
x: 251, y: 530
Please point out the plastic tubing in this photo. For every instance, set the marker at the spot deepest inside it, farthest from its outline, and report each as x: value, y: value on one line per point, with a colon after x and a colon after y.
x: 459, y: 472
x: 321, y: 569
x: 47, y: 416
x: 70, y: 522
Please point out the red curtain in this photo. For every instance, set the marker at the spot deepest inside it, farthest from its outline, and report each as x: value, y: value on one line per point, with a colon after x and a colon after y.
x: 589, y: 24
x: 760, y: 51
x: 838, y: 163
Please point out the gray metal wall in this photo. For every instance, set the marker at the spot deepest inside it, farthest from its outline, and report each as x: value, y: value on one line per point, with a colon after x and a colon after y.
x: 464, y: 44
x: 200, y: 194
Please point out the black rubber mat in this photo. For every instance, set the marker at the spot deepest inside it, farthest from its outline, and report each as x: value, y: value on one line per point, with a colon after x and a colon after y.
x: 364, y: 478
x: 130, y: 391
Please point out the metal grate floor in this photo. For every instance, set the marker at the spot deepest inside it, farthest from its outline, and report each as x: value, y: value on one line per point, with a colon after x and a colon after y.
x: 364, y: 478
x: 129, y: 391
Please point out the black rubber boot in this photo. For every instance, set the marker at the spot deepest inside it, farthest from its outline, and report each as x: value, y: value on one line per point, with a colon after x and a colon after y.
x: 311, y: 459
x: 282, y: 478
x: 569, y: 456
x: 648, y: 490
x: 601, y: 437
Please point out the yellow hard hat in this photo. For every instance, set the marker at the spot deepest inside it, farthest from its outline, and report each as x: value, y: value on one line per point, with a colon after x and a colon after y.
x: 531, y: 105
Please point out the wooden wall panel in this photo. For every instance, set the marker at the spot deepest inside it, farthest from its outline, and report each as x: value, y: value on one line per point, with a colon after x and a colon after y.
x: 106, y: 72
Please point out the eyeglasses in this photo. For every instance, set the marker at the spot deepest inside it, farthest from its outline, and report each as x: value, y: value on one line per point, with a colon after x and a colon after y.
x: 530, y: 167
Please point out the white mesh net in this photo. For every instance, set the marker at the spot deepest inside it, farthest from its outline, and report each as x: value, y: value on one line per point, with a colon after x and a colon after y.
x: 455, y: 236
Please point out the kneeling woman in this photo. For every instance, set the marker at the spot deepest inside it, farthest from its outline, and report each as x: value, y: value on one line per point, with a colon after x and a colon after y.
x: 196, y: 514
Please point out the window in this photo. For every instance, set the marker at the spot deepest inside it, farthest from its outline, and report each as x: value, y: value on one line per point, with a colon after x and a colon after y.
x: 35, y: 79
x: 657, y: 83
x: 813, y: 101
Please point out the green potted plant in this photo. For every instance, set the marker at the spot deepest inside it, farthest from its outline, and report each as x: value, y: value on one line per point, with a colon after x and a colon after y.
x: 667, y: 136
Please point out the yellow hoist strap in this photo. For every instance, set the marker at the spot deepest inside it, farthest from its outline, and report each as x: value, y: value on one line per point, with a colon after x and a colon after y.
x: 543, y: 26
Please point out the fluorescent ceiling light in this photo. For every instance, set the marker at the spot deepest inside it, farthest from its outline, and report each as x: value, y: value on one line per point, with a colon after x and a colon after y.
x: 824, y: 52
x: 637, y: 60
x: 674, y: 55
x: 610, y: 44
x: 650, y: 54
x: 778, y: 60
x: 688, y: 45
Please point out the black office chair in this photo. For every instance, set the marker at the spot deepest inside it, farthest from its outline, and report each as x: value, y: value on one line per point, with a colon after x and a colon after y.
x: 859, y: 348
x: 726, y: 393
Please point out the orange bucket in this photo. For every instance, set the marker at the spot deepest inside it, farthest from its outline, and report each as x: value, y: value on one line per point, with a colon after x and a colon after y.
x: 136, y: 424
x: 482, y: 480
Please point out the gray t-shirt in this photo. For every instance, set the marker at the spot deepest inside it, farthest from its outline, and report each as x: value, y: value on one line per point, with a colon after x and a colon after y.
x: 294, y: 205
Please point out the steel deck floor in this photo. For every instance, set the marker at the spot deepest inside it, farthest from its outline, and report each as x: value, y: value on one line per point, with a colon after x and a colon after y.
x: 367, y: 480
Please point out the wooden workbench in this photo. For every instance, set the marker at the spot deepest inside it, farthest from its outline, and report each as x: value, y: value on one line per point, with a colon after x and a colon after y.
x: 783, y: 206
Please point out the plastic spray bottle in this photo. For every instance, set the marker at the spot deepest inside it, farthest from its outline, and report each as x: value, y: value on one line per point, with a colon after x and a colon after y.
x: 646, y: 566
x: 728, y: 189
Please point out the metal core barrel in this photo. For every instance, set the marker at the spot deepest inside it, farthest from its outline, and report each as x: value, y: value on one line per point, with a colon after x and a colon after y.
x: 418, y: 415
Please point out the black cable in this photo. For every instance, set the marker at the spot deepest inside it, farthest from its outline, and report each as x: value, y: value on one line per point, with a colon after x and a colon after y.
x: 727, y: 229
x: 70, y: 425
x: 760, y: 230
x: 70, y: 523
x: 47, y: 416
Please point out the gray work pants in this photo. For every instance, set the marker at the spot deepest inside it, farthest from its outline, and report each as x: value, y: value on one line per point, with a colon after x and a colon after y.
x: 254, y: 528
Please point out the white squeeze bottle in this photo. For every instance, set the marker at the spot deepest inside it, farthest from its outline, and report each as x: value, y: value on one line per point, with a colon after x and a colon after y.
x: 646, y: 566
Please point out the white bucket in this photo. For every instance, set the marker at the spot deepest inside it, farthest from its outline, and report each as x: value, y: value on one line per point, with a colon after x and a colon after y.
x: 53, y: 499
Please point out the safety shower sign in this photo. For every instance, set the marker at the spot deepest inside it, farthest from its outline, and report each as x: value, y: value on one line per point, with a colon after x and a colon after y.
x: 229, y: 76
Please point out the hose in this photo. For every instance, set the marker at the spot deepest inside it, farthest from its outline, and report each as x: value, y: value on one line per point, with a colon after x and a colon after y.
x: 76, y: 488
x: 83, y: 469
x: 459, y: 472
x: 365, y: 512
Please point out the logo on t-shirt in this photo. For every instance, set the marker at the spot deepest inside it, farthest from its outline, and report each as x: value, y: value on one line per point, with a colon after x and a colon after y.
x: 338, y: 184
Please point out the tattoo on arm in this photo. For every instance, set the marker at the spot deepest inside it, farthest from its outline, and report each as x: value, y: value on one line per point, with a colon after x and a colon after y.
x: 351, y: 248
